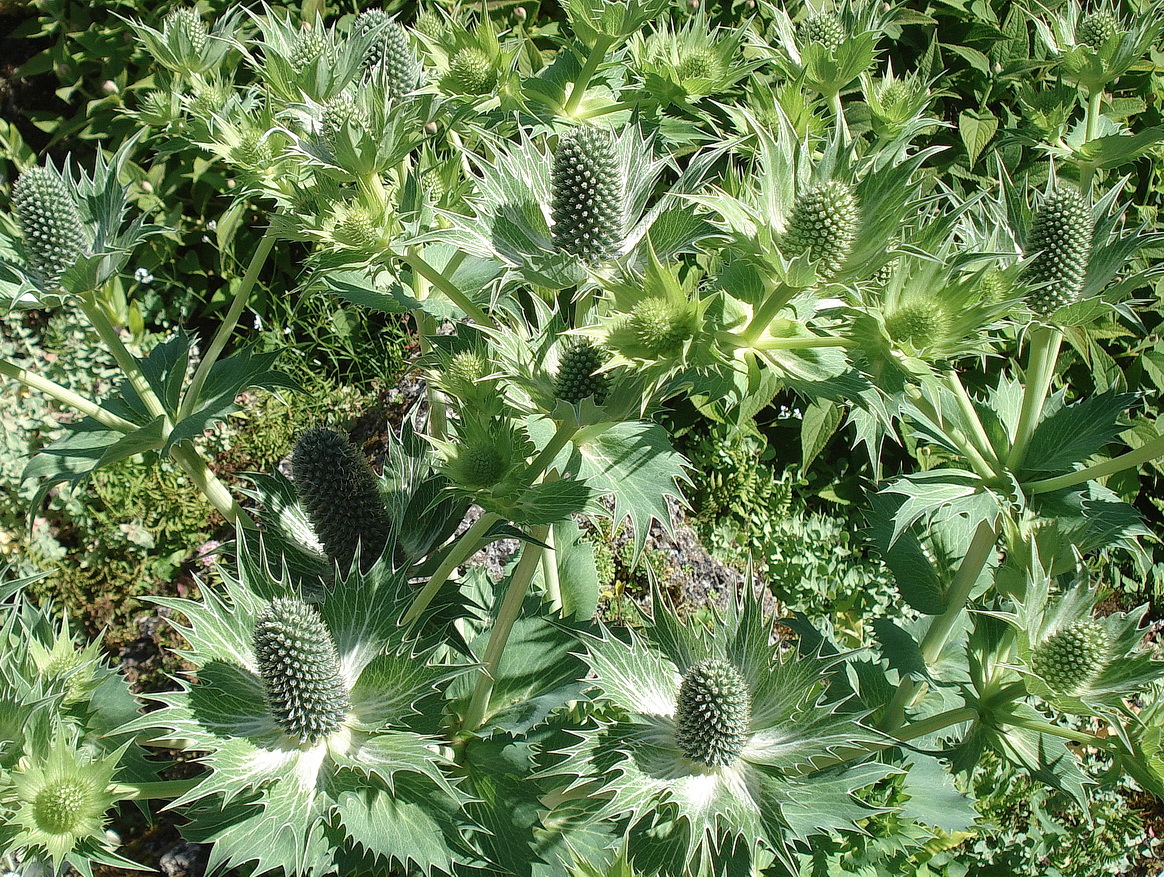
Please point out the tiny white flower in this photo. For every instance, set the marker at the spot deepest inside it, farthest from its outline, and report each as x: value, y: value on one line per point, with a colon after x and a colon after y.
x: 143, y: 276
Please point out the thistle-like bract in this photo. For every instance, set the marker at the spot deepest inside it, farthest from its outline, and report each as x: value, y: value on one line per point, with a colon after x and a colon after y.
x: 471, y: 72
x: 300, y: 670
x: 700, y: 63
x: 587, y: 195
x: 823, y: 28
x: 1060, y: 238
x: 338, y: 491
x: 576, y: 374
x: 1096, y: 29
x: 713, y: 714
x: 54, y: 236
x: 1071, y: 657
x: 185, y: 26
x: 920, y: 322
x: 661, y: 325
x: 823, y: 225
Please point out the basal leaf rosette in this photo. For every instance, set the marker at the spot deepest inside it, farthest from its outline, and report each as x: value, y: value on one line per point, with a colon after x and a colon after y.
x: 716, y: 752
x: 1078, y: 661
x: 308, y: 716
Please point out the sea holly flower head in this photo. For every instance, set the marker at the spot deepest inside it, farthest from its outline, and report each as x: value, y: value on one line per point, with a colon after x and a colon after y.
x: 309, y: 720
x: 1096, y: 46
x: 828, y: 47
x: 186, y: 45
x: 681, y: 65
x: 1059, y: 243
x: 717, y: 749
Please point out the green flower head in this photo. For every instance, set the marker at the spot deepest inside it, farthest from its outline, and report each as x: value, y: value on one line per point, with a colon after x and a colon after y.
x: 715, y: 756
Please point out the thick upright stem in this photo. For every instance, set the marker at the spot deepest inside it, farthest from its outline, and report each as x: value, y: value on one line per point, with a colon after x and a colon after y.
x: 970, y: 415
x: 442, y: 283
x: 226, y: 328
x: 1045, y: 342
x: 125, y: 360
x: 776, y: 299
x: 209, y: 486
x: 601, y: 45
x: 472, y: 541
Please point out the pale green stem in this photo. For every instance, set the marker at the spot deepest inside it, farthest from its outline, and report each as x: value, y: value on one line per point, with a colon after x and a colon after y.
x: 471, y: 541
x: 65, y: 396
x: 549, y: 453
x: 803, y: 343
x: 912, y: 731
x: 159, y: 790
x: 839, y: 113
x: 1094, y: 110
x: 1065, y: 733
x: 507, y: 615
x: 776, y: 299
x: 226, y: 328
x: 442, y: 283
x: 977, y: 462
x: 438, y: 420
x: 966, y: 405
x: 129, y: 365
x: 1044, y: 354
x: 977, y: 554
x: 185, y: 455
x: 1149, y: 451
x: 601, y: 44
x: 550, y: 572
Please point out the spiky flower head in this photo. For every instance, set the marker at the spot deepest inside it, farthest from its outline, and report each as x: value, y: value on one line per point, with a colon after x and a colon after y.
x: 479, y: 464
x: 1097, y: 28
x: 309, y: 46
x: 338, y: 491
x: 429, y: 23
x: 338, y: 113
x: 713, y: 714
x: 300, y: 670
x: 185, y: 27
x: 823, y: 226
x: 995, y: 286
x: 662, y: 325
x: 920, y: 322
x: 577, y: 378
x: 700, y: 62
x: 713, y: 741
x: 1060, y: 239
x: 54, y: 234
x: 1072, y: 656
x: 824, y: 29
x: 354, y: 226
x: 390, y: 53
x: 587, y: 195
x: 471, y: 71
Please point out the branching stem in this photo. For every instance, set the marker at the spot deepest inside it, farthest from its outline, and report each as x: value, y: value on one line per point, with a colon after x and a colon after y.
x: 1144, y: 454
x: 1045, y: 342
x: 602, y: 44
x: 65, y: 396
x: 471, y: 541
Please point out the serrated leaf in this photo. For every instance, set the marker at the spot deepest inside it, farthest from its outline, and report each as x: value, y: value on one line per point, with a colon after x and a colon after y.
x: 913, y: 572
x: 821, y: 420
x: 900, y: 650
x: 552, y: 501
x: 1073, y: 433
x: 976, y: 130
x: 933, y: 799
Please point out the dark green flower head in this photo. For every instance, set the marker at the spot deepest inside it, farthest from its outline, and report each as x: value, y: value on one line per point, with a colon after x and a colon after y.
x: 300, y: 669
x: 576, y: 378
x: 471, y: 72
x: 480, y: 465
x: 54, y: 235
x: 391, y: 52
x: 309, y: 47
x: 1071, y: 657
x: 587, y: 195
x: 1097, y: 28
x: 338, y: 491
x: 713, y: 714
x: 824, y: 29
x: 1060, y: 238
x: 823, y: 226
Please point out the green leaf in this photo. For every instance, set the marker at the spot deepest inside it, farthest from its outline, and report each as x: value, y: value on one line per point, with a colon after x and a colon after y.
x: 941, y: 492
x: 1073, y: 433
x: 552, y: 501
x: 976, y: 130
x: 915, y: 576
x: 933, y: 797
x: 821, y: 420
x: 900, y: 650
x: 577, y: 575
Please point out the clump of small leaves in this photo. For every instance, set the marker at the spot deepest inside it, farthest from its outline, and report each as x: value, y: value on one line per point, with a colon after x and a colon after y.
x: 823, y: 226
x: 587, y: 195
x: 1060, y: 239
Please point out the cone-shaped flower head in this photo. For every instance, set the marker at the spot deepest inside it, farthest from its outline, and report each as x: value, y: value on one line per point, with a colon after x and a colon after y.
x: 300, y: 669
x: 824, y: 225
x: 587, y: 195
x: 1071, y: 657
x: 309, y: 47
x: 339, y: 493
x: 391, y: 52
x: 337, y: 113
x: 471, y: 72
x: 479, y: 464
x: 661, y: 325
x: 1060, y: 238
x: 185, y: 27
x: 430, y: 24
x: 700, y: 62
x: 576, y: 374
x: 921, y: 322
x: 713, y: 714
x: 822, y: 28
x: 1097, y: 28
x: 54, y: 236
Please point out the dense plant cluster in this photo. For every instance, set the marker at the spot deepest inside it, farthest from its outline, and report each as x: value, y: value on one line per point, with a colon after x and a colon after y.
x: 596, y: 222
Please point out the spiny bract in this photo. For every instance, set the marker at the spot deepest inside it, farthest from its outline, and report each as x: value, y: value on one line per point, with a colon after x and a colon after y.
x: 714, y: 713
x: 1071, y: 657
x: 1096, y: 29
x: 54, y: 236
x: 576, y: 374
x: 338, y: 491
x: 823, y: 28
x: 587, y: 195
x: 824, y: 225
x: 471, y: 72
x: 300, y: 669
x: 1060, y: 238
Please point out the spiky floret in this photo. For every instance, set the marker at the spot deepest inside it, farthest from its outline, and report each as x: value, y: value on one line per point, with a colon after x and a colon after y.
x: 390, y: 52
x: 355, y: 227
x: 824, y: 29
x: 54, y: 235
x: 1060, y: 238
x: 300, y: 670
x: 587, y: 195
x: 186, y: 27
x: 576, y: 378
x: 662, y: 325
x: 338, y: 491
x: 1097, y: 28
x: 994, y: 286
x: 309, y: 46
x: 920, y: 322
x: 823, y: 225
x: 1071, y: 657
x: 337, y: 113
x: 471, y: 72
x: 479, y: 464
x: 700, y: 62
x: 713, y: 714
x: 430, y: 24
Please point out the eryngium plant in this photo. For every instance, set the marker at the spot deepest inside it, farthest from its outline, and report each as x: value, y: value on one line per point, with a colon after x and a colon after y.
x: 50, y: 222
x: 587, y: 195
x: 1060, y: 242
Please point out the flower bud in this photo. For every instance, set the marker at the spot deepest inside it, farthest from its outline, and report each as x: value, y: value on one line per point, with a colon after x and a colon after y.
x: 1060, y: 237
x: 714, y: 713
x: 54, y: 235
x: 1096, y: 29
x: 576, y: 374
x: 661, y: 326
x: 823, y: 225
x: 1071, y: 657
x: 471, y: 72
x: 587, y: 195
x: 824, y: 29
